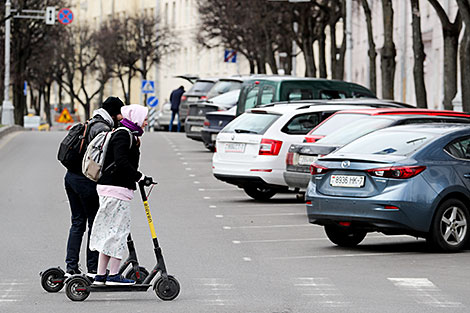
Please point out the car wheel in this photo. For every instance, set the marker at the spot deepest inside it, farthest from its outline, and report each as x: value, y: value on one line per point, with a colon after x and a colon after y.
x: 343, y: 236
x: 449, y: 229
x: 209, y: 147
x: 259, y: 193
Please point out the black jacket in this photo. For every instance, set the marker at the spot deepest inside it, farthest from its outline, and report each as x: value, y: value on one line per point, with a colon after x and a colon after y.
x: 175, y: 99
x: 124, y: 161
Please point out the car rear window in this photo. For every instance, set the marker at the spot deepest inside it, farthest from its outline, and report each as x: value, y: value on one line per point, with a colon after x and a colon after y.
x: 251, y: 123
x: 226, y: 99
x: 201, y: 86
x: 360, y: 127
x: 223, y: 86
x: 389, y: 143
x: 335, y: 122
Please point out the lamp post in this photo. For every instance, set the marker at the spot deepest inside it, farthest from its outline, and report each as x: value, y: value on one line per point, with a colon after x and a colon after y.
x: 7, y: 106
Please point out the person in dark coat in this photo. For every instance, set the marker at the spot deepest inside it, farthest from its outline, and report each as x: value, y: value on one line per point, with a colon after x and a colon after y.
x: 175, y: 100
x: 81, y: 192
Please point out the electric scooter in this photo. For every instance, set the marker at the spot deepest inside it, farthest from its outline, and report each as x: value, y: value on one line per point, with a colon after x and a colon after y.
x: 166, y: 287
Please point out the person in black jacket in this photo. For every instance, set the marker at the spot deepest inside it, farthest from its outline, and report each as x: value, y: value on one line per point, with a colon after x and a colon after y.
x: 175, y: 100
x: 115, y: 189
x: 81, y: 192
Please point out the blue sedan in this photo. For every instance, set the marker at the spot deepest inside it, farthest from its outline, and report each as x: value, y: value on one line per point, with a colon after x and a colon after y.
x: 410, y: 179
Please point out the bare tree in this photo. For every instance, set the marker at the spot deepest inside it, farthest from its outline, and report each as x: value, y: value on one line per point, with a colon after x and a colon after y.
x: 371, y: 51
x: 388, y: 52
x: 450, y: 32
x: 419, y: 56
x: 337, y: 13
x: 464, y: 7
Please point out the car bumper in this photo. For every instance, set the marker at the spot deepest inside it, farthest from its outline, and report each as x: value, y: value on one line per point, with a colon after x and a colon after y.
x: 209, y: 136
x: 392, y: 212
x: 242, y: 181
x: 193, y: 129
x: 297, y: 179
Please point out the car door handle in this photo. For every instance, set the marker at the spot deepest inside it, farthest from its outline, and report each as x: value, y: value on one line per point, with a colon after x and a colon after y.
x: 466, y: 175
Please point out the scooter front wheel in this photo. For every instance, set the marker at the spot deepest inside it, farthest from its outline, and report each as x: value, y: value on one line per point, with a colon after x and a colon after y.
x: 167, y: 289
x: 77, y: 288
x: 52, y: 280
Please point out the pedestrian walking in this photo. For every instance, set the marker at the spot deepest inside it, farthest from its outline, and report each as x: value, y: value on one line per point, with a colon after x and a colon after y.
x: 81, y: 191
x: 116, y: 189
x: 175, y: 100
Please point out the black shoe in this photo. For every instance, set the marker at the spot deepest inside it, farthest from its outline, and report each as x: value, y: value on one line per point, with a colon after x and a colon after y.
x: 100, y: 280
x: 71, y: 272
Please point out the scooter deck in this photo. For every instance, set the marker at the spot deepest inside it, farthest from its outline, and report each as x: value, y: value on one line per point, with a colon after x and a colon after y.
x: 104, y: 288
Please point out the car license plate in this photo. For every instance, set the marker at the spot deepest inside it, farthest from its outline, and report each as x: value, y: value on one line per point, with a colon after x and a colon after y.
x: 307, y: 159
x: 196, y: 128
x: 347, y: 181
x: 214, y: 137
x: 235, y: 147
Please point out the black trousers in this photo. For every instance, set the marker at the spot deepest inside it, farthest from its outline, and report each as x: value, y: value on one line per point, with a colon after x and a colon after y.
x: 84, y: 203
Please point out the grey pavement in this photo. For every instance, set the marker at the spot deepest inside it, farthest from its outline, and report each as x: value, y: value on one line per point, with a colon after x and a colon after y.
x: 229, y: 253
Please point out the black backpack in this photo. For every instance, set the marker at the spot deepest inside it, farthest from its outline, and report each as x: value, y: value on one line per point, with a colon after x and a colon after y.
x: 73, y: 146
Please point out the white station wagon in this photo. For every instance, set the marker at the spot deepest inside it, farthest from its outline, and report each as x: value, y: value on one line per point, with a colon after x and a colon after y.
x: 251, y: 150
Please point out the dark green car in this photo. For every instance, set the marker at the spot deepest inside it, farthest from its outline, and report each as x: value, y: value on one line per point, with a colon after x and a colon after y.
x: 263, y: 90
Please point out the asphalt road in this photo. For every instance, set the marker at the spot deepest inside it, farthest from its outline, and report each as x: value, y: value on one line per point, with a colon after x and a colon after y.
x: 229, y: 253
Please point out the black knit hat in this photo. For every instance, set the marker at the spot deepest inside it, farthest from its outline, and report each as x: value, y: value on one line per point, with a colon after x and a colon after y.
x: 113, y: 105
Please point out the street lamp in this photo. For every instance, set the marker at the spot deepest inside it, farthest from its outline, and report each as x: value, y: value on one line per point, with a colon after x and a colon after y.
x: 7, y: 106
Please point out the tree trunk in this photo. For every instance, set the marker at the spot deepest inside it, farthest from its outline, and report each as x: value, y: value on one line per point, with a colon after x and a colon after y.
x: 129, y: 80
x: 371, y: 52
x: 333, y: 50
x: 270, y: 57
x: 450, y: 69
x: 465, y: 69
x: 61, y: 90
x: 47, y: 103
x: 339, y: 73
x: 252, y: 66
x: 419, y: 56
x: 388, y: 52
x: 322, y: 55
x: 307, y: 49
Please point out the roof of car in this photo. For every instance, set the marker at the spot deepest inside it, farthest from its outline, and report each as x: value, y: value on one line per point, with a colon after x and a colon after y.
x: 355, y: 101
x: 288, y: 77
x: 404, y: 111
x: 434, y: 128
x: 300, y: 108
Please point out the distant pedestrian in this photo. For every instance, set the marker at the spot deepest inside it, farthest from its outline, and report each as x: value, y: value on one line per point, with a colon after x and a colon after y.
x: 175, y: 100
x: 115, y: 189
x: 81, y: 191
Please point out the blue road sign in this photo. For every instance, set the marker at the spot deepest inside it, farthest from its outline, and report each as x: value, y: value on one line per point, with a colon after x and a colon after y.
x: 65, y: 16
x: 148, y: 86
x: 25, y: 88
x: 230, y: 56
x: 152, y: 101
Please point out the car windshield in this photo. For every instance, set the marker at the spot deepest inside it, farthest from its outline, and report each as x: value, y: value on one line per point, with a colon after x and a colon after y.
x: 227, y: 99
x: 390, y: 142
x: 335, y: 122
x: 359, y: 128
x: 201, y: 86
x: 223, y: 86
x: 251, y: 123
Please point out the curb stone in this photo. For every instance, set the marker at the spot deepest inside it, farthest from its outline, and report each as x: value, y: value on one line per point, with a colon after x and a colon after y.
x: 5, y: 130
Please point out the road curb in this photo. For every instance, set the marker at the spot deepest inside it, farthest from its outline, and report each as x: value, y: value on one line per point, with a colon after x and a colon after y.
x: 9, y: 129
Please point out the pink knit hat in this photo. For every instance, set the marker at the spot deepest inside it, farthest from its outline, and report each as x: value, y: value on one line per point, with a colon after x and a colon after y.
x: 135, y: 113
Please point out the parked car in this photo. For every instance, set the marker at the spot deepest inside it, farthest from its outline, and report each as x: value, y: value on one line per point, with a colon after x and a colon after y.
x: 197, y: 112
x: 250, y: 150
x: 163, y: 118
x: 408, y: 179
x: 346, y: 126
x: 197, y: 92
x: 214, y: 123
x: 261, y: 90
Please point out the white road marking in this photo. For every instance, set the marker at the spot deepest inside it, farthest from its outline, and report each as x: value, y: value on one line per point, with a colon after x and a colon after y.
x: 267, y: 226
x: 219, y: 216
x: 325, y: 256
x: 247, y: 259
x: 188, y: 168
x: 206, y: 198
x: 268, y: 214
x: 322, y: 290
x: 201, y: 189
x: 192, y: 175
x: 197, y: 182
x: 212, y: 206
x: 295, y: 239
x: 425, y: 292
x: 217, y: 290
x: 178, y: 153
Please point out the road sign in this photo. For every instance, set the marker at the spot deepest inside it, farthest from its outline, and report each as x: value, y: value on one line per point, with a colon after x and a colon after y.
x: 65, y: 16
x: 152, y: 101
x: 65, y: 117
x: 230, y: 56
x: 148, y: 86
x: 50, y: 15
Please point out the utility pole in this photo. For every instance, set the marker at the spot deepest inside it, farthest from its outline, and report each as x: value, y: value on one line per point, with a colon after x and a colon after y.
x: 7, y: 106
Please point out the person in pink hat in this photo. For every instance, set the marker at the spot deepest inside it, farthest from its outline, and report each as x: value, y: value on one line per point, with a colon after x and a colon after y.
x: 115, y: 190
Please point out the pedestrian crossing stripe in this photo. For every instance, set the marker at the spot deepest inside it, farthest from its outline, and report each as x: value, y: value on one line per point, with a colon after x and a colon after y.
x: 65, y: 117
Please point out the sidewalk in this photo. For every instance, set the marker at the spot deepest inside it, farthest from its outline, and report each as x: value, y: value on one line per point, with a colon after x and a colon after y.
x: 5, y: 130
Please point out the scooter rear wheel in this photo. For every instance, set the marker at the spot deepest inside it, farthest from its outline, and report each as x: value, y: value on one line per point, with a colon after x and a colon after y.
x: 143, y: 274
x: 77, y: 288
x: 167, y: 290
x: 52, y: 280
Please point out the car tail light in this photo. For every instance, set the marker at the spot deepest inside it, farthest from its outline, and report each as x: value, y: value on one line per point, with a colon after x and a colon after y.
x: 400, y: 172
x: 316, y: 169
x: 203, y: 98
x: 270, y: 147
x: 183, y: 98
x: 207, y: 123
x: 290, y: 158
x: 312, y: 138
